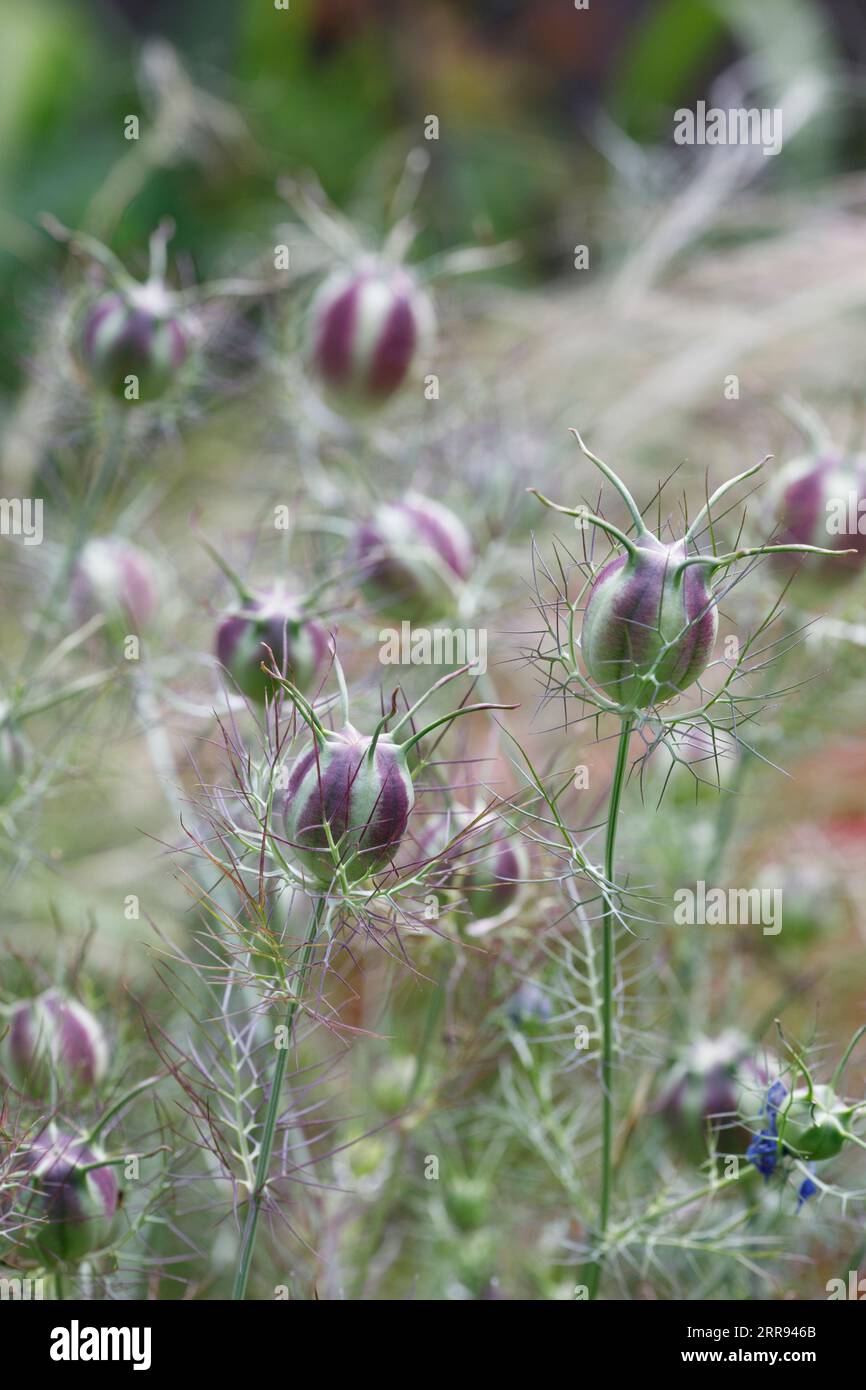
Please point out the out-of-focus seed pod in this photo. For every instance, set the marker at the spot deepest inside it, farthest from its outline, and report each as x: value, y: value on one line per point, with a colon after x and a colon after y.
x: 366, y: 329
x: 715, y: 1081
x: 649, y: 626
x: 820, y: 500
x: 274, y: 620
x: 467, y: 1201
x: 135, y: 332
x: 117, y: 579
x: 362, y: 1162
x: 529, y: 1008
x: 495, y: 879
x: 66, y: 1207
x: 52, y: 1037
x: 353, y: 792
x: 392, y: 1084
x: 413, y: 556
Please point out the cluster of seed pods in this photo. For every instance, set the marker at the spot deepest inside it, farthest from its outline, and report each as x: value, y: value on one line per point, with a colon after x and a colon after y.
x: 63, y: 1196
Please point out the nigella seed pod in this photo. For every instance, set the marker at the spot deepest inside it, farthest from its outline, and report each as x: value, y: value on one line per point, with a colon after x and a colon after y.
x: 54, y: 1038
x: 353, y: 792
x: 117, y: 579
x: 67, y: 1198
x: 413, y: 556
x: 492, y: 882
x: 135, y: 332
x: 820, y: 500
x: 392, y: 1084
x: 467, y: 1201
x: 651, y: 620
x: 366, y: 328
x: 271, y: 627
x: 649, y: 626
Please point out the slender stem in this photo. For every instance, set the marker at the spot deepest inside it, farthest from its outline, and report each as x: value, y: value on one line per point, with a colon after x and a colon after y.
x: 263, y: 1164
x: 593, y: 1269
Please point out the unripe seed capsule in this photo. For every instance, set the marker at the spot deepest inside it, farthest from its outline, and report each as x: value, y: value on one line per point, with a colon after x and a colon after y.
x: 820, y: 500
x: 67, y: 1207
x: 53, y: 1036
x: 366, y: 327
x: 649, y: 626
x: 117, y: 579
x: 135, y: 332
x: 271, y: 628
x: 413, y: 556
x: 338, y: 793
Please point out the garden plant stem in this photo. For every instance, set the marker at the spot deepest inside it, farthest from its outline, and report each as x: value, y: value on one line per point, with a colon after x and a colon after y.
x: 263, y: 1164
x: 593, y: 1269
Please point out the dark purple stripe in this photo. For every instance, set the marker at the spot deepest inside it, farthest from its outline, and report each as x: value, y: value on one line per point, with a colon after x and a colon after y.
x: 334, y: 348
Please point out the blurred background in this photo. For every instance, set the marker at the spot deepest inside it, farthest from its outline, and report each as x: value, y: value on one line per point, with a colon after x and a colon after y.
x: 716, y: 282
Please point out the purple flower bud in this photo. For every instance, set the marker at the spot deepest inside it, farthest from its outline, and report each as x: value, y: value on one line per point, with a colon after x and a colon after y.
x: 273, y: 620
x: 66, y: 1208
x: 115, y: 578
x: 52, y: 1036
x: 135, y: 333
x: 413, y: 555
x: 821, y: 500
x: 716, y: 1083
x: 649, y: 625
x: 366, y: 327
x: 358, y: 795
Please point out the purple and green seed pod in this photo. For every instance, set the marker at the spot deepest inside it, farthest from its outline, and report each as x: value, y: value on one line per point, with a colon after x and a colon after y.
x: 413, y: 556
x: 270, y: 628
x: 366, y: 328
x: 650, y: 624
x: 820, y: 500
x: 54, y: 1039
x: 117, y: 579
x: 715, y: 1083
x: 138, y: 333
x: 492, y: 883
x: 356, y: 790
x: 67, y: 1208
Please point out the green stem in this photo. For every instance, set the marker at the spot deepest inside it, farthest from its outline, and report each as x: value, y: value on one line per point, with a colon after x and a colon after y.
x: 594, y: 1268
x: 263, y: 1164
